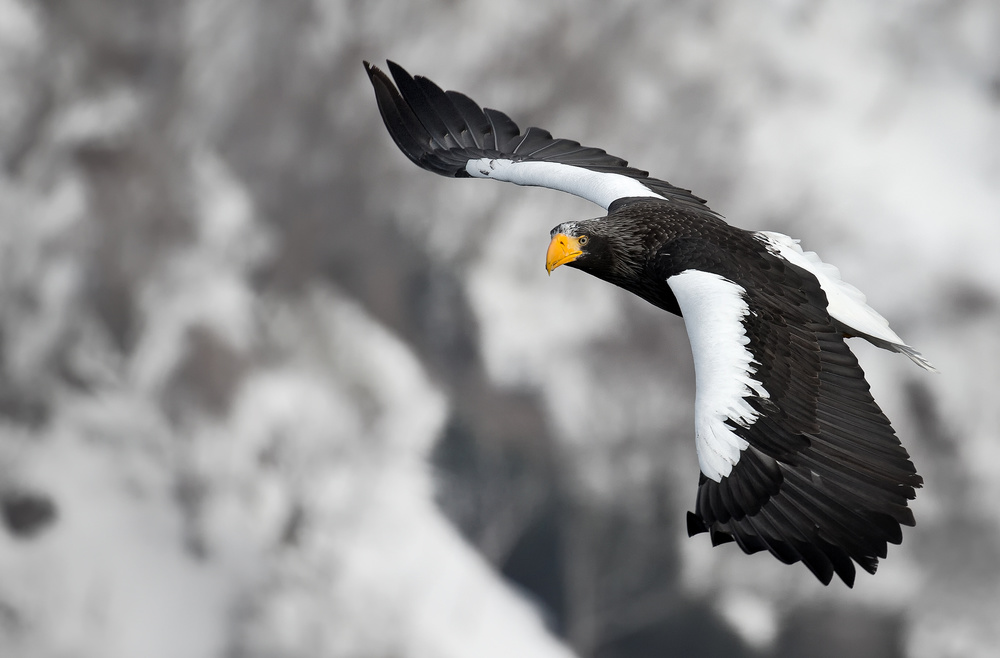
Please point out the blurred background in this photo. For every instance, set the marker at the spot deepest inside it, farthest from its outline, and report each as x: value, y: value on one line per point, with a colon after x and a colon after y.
x: 269, y: 390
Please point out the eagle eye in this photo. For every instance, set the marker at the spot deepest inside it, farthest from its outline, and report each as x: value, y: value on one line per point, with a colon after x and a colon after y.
x: 583, y: 240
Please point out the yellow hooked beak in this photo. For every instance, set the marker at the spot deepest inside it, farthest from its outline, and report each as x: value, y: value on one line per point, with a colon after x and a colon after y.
x: 563, y: 249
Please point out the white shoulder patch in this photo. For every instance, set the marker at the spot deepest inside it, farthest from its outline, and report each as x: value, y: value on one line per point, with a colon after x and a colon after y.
x: 845, y: 303
x: 713, y: 309
x: 601, y: 188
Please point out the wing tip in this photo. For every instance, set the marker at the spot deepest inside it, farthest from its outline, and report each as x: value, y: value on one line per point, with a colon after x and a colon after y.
x: 372, y: 70
x: 695, y: 524
x: 916, y: 357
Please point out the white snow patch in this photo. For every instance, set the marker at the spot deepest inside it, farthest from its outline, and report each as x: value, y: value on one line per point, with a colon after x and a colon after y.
x: 752, y: 616
x: 204, y: 283
x: 111, y: 578
x: 376, y: 553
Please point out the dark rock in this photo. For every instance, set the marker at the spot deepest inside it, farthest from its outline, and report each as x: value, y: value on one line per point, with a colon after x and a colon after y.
x: 27, y: 513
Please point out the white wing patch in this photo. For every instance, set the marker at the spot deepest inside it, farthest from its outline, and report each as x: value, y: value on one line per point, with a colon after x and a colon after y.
x: 713, y: 309
x: 601, y: 188
x: 845, y: 303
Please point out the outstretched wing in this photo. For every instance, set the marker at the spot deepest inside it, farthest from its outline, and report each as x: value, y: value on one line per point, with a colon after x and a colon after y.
x: 796, y: 456
x: 448, y: 133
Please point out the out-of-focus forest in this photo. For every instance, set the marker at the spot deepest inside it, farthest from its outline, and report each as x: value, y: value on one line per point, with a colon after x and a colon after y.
x: 269, y: 390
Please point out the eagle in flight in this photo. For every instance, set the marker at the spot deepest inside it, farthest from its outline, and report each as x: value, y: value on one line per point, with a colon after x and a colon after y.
x: 796, y: 457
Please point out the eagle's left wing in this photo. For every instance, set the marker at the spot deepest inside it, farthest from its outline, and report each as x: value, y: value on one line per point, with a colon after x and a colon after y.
x: 796, y: 456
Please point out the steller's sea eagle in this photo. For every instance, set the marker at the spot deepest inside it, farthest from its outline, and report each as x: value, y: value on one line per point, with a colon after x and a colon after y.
x: 796, y: 457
